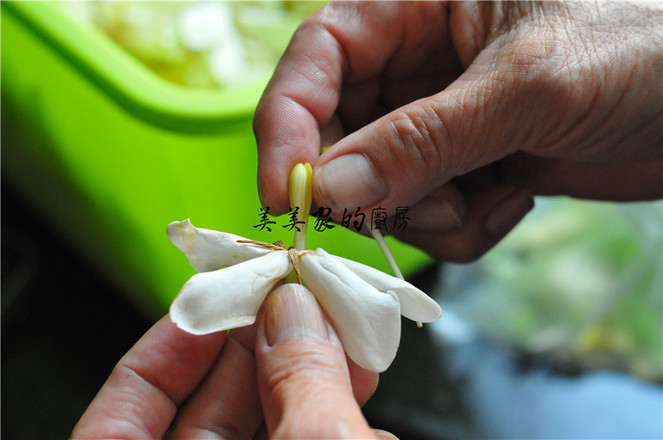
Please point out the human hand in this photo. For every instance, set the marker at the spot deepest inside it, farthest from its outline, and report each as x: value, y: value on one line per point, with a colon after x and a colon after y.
x: 286, y: 375
x: 463, y: 110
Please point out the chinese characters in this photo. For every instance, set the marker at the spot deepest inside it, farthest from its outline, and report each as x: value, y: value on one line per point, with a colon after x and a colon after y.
x: 351, y: 219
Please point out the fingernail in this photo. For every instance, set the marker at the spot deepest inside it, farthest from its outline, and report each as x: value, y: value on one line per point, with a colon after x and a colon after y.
x: 291, y: 312
x: 508, y: 212
x: 384, y: 435
x: 349, y: 181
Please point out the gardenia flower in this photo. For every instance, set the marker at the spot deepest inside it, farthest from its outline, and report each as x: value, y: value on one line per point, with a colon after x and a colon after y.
x: 364, y: 304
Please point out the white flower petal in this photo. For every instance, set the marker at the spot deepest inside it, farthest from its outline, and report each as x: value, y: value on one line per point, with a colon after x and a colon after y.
x: 415, y: 304
x: 367, y: 321
x: 228, y: 298
x: 210, y: 250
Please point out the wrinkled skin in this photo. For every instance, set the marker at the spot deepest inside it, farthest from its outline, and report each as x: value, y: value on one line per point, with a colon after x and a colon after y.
x: 463, y: 111
x: 286, y: 377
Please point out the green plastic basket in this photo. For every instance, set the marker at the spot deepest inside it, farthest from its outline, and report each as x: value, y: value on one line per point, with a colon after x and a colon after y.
x: 110, y: 153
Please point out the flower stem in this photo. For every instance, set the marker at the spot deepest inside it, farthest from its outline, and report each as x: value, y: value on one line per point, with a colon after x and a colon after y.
x: 377, y: 235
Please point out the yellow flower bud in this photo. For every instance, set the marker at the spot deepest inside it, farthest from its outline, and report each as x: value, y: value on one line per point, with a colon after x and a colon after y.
x: 301, y: 179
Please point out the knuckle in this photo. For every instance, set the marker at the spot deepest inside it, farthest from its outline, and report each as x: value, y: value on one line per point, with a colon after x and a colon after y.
x: 294, y: 375
x: 541, y: 69
x: 293, y: 425
x: 531, y: 55
x: 415, y: 142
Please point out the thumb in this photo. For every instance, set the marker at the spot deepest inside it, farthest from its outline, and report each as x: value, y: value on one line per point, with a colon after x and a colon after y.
x: 399, y: 158
x: 303, y: 375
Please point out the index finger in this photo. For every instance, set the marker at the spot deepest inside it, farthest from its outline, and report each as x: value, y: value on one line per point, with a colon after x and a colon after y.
x: 300, y: 99
x: 344, y: 43
x: 142, y: 394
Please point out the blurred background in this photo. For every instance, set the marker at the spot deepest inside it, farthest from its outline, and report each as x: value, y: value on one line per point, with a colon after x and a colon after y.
x: 120, y: 117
